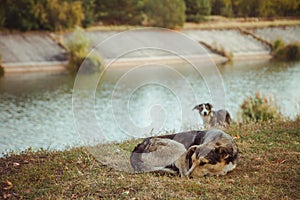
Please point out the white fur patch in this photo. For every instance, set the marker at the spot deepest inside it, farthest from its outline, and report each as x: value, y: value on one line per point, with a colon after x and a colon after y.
x: 229, y: 167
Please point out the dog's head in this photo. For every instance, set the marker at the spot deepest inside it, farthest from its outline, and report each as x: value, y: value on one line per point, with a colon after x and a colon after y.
x: 204, y: 109
x: 208, y: 160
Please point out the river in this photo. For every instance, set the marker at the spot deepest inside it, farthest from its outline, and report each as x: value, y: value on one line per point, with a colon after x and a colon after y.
x: 36, y: 109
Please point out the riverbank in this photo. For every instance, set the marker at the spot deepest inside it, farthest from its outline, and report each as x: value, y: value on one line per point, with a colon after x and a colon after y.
x: 268, y: 168
x: 28, y: 52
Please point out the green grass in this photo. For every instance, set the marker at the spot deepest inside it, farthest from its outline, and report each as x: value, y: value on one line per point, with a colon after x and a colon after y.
x: 268, y: 168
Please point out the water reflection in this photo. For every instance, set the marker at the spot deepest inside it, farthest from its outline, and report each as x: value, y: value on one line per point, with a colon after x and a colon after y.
x: 36, y: 110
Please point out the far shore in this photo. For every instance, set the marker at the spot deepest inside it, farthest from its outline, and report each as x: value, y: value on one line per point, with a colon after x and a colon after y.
x: 214, y: 24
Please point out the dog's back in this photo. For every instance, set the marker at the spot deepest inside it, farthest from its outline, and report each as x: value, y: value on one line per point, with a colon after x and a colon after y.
x: 220, y: 118
x: 176, y: 143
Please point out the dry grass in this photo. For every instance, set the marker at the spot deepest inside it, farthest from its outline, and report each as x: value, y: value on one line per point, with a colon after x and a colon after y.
x: 242, y: 23
x: 215, y: 23
x: 268, y: 168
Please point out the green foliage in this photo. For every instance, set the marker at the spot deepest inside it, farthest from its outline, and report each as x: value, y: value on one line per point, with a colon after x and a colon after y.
x: 196, y: 10
x: 120, y: 11
x: 78, y: 47
x: 165, y: 13
x: 256, y: 8
x: 63, y: 14
x: 290, y: 52
x: 89, y: 12
x: 222, y: 7
x: 259, y: 108
x: 278, y: 43
x: 19, y: 14
x: 40, y: 14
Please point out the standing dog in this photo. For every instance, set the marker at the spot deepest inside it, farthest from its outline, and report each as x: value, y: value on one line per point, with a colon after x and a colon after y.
x: 211, y: 118
x: 191, y: 154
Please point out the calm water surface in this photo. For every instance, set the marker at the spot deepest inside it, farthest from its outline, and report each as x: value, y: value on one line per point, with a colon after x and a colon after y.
x: 36, y: 110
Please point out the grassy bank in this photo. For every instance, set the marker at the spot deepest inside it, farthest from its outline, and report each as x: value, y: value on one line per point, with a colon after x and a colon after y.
x: 215, y: 23
x: 238, y: 23
x: 268, y: 168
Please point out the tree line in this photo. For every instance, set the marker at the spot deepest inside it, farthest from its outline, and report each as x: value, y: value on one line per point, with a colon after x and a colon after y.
x: 55, y: 15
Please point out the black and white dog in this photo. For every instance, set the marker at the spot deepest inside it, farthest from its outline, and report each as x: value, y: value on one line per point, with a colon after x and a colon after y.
x: 191, y: 154
x: 211, y: 118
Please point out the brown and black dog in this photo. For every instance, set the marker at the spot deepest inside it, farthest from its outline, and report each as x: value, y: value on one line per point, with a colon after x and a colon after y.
x: 191, y: 154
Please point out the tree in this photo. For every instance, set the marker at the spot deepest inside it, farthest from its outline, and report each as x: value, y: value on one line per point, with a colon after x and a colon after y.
x: 89, y: 12
x: 165, y: 13
x: 63, y: 14
x: 222, y: 7
x: 196, y: 10
x: 19, y: 14
x: 119, y: 11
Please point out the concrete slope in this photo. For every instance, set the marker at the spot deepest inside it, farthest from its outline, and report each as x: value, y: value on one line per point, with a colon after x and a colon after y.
x: 232, y: 41
x: 30, y: 52
x: 286, y: 34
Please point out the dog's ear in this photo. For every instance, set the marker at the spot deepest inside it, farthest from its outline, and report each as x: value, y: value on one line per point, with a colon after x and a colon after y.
x: 196, y: 107
x: 209, y: 105
x: 224, y: 151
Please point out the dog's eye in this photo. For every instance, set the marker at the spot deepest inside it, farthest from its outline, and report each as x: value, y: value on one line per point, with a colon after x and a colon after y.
x: 202, y: 163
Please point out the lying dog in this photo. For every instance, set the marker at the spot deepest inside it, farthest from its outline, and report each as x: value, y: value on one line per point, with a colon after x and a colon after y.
x: 191, y: 154
x: 211, y: 118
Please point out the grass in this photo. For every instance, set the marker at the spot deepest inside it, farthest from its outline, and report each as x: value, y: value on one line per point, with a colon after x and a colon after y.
x: 229, y: 23
x: 268, y: 168
x: 215, y: 22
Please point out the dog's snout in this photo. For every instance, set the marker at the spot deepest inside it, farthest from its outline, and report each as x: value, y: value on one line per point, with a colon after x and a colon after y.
x: 204, y: 113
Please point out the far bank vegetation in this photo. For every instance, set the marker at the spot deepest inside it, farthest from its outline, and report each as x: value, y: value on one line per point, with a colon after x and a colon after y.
x: 54, y: 15
x: 289, y: 52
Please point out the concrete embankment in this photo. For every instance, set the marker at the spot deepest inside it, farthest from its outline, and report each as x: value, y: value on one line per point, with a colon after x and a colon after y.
x: 27, y: 52
x: 37, y: 51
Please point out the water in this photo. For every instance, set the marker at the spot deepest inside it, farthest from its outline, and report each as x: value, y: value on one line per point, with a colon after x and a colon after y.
x: 36, y: 110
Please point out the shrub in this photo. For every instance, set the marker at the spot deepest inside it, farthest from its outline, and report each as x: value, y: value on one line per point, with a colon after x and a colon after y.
x: 40, y: 14
x: 290, y: 52
x: 78, y: 47
x: 63, y: 15
x: 165, y: 13
x: 259, y: 108
x: 196, y: 10
x: 89, y: 12
x: 116, y: 12
x: 278, y: 43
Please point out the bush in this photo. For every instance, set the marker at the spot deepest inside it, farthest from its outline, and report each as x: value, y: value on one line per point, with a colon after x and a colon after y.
x: 259, y: 109
x: 222, y: 7
x: 89, y: 12
x: 40, y: 14
x: 117, y: 12
x: 78, y: 47
x: 63, y: 15
x: 196, y: 10
x: 278, y: 43
x: 290, y: 52
x: 165, y: 13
